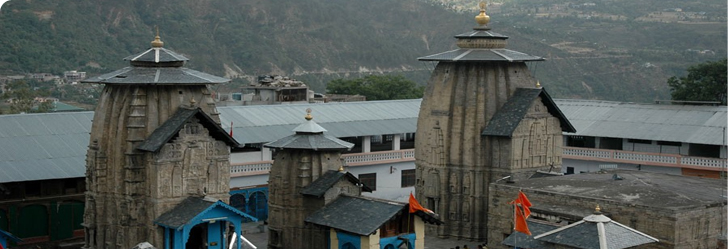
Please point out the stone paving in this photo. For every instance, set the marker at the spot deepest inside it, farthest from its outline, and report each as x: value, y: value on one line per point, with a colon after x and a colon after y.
x: 252, y: 232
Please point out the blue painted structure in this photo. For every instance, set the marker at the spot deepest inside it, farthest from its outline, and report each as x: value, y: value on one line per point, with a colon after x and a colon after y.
x: 6, y: 236
x: 396, y: 241
x: 252, y: 201
x: 348, y: 240
x: 214, y: 218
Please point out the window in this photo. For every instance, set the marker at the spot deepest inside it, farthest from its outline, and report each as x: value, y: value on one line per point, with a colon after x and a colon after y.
x: 370, y: 180
x: 408, y: 178
x: 639, y: 141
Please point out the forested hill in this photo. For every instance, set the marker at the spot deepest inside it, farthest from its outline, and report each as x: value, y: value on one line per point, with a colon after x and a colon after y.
x: 606, y: 49
x: 226, y: 36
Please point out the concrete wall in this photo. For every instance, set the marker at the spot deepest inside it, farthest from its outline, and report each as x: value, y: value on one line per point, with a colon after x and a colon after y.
x: 246, y: 181
x: 594, y: 166
x: 389, y: 185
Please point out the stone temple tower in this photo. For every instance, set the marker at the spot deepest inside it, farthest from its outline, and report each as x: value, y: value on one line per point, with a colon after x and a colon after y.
x: 482, y: 118
x: 155, y: 141
x: 300, y: 159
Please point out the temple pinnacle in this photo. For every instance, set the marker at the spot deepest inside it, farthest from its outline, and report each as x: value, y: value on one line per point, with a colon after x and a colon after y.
x: 308, y: 114
x: 482, y: 19
x: 157, y: 43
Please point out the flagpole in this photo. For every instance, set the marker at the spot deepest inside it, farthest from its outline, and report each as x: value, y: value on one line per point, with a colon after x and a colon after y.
x: 515, y: 243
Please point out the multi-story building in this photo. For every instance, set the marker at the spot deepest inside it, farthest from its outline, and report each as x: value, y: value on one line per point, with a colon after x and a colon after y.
x: 674, y: 139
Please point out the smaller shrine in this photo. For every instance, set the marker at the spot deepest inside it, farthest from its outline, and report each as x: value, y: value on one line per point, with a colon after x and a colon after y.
x: 316, y: 204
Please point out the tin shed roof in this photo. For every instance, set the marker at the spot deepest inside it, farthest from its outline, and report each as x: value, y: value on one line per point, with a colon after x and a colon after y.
x: 674, y: 123
x: 43, y: 146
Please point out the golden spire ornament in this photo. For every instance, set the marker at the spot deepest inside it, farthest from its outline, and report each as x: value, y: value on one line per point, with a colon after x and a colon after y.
x: 482, y: 19
x: 157, y: 43
x: 308, y: 114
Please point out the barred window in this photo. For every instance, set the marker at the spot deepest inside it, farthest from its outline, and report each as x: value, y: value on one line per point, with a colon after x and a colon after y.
x: 370, y: 180
x: 408, y: 178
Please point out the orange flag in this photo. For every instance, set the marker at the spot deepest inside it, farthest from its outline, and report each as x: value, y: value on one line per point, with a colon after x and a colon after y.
x: 414, y: 205
x: 520, y: 222
x: 522, y: 211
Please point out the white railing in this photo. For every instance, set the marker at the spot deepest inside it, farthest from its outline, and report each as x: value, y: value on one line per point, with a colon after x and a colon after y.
x: 353, y: 159
x: 669, y: 160
x: 704, y: 162
x: 586, y: 152
x: 642, y: 157
x: 254, y: 168
x: 379, y: 156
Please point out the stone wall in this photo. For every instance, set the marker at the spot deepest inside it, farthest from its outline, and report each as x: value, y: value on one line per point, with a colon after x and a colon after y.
x: 698, y: 227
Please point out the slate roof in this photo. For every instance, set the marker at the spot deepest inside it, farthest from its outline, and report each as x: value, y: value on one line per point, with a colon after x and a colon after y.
x: 310, y: 142
x: 174, y: 124
x: 319, y: 187
x: 310, y: 136
x: 156, y: 76
x: 190, y: 208
x: 675, y: 123
x: 357, y: 215
x: 481, y: 33
x: 157, y: 55
x: 477, y: 55
x: 157, y: 66
x: 596, y: 232
x: 507, y: 118
x: 43, y: 146
x: 521, y: 240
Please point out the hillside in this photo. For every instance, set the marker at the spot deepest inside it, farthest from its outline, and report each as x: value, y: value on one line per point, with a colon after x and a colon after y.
x: 602, y: 53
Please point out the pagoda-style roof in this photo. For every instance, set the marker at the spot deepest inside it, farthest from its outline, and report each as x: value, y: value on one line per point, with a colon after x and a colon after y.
x: 156, y: 66
x: 596, y: 231
x: 310, y: 136
x: 481, y: 45
x: 477, y: 55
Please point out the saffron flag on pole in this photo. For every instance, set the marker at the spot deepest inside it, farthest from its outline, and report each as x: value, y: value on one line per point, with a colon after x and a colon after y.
x: 521, y: 207
x: 414, y: 205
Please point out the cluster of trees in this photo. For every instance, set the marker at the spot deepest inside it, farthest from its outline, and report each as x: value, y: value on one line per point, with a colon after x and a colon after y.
x: 704, y: 82
x: 22, y: 98
x: 377, y: 87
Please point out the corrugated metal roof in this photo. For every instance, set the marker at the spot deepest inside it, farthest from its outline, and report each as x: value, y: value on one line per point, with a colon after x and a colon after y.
x: 257, y: 124
x: 675, y: 123
x: 43, y: 146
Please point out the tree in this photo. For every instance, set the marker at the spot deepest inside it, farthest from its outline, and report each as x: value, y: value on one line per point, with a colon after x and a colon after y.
x: 377, y: 87
x: 705, y: 82
x: 22, y: 98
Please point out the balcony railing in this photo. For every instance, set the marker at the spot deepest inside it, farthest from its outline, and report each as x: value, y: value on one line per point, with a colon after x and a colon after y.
x: 656, y: 159
x: 352, y: 160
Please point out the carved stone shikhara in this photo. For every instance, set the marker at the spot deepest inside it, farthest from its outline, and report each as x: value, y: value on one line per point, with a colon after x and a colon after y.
x: 483, y: 117
x: 129, y: 187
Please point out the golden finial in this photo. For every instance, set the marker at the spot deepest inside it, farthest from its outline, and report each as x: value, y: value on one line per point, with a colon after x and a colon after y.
x: 482, y: 19
x: 341, y: 168
x: 308, y: 114
x: 157, y: 43
x: 538, y: 84
x: 192, y: 102
x: 598, y: 209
